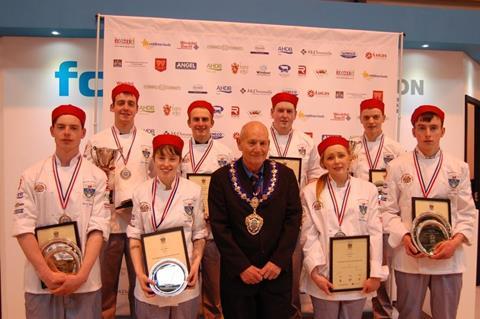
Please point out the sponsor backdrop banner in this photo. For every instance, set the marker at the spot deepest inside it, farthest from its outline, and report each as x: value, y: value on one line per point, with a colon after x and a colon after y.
x: 238, y: 67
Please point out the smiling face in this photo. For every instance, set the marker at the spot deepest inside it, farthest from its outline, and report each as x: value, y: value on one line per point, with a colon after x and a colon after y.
x: 125, y: 108
x: 166, y: 163
x: 372, y: 120
x: 428, y: 130
x: 283, y: 115
x: 68, y: 133
x: 336, y: 160
x: 253, y: 143
x: 200, y: 122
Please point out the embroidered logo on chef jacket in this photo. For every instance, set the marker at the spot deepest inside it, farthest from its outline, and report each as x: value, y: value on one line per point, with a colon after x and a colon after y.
x: 317, y: 205
x: 40, y: 187
x: 88, y: 189
x: 188, y: 206
x: 362, y: 208
x: 144, y: 207
x: 146, y: 151
x: 406, y: 179
x: 222, y: 160
x: 302, y: 150
x: 453, y: 180
x: 387, y: 158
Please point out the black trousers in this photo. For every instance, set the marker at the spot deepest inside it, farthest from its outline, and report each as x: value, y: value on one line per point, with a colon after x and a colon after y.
x: 261, y: 301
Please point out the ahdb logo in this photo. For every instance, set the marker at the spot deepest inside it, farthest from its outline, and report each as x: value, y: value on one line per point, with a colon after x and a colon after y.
x: 68, y: 70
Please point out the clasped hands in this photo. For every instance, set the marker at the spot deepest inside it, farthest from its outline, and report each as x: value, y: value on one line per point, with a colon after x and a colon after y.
x: 253, y: 275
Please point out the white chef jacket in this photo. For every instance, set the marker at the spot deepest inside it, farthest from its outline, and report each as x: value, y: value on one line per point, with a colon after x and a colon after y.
x: 301, y: 146
x: 218, y: 156
x: 453, y: 182
x: 320, y: 223
x: 138, y: 164
x: 38, y: 205
x: 186, y: 211
x: 360, y: 167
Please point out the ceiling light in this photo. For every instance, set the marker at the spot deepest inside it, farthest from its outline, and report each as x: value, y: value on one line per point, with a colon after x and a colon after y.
x: 55, y: 32
x: 425, y: 45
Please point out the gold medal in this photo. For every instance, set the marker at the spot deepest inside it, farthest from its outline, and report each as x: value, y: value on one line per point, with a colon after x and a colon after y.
x: 254, y: 222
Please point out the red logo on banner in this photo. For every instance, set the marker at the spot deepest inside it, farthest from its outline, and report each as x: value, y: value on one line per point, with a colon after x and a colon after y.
x: 377, y: 95
x: 160, y: 64
x: 167, y: 109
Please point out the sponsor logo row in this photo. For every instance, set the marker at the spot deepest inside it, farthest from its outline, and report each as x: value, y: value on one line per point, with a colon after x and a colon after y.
x: 263, y: 70
x: 259, y: 49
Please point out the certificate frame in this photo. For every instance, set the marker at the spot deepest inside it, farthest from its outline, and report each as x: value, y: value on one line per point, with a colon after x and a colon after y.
x: 203, y: 180
x: 294, y: 163
x: 164, y: 244
x: 349, y: 262
x: 439, y: 206
x: 377, y: 176
x: 68, y: 230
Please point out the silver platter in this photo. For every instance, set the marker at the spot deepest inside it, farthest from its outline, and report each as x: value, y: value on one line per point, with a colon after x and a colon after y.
x: 62, y: 255
x: 170, y: 277
x: 428, y: 230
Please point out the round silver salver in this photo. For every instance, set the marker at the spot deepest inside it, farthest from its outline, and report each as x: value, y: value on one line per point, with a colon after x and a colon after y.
x: 170, y: 277
x: 62, y: 255
x: 428, y: 230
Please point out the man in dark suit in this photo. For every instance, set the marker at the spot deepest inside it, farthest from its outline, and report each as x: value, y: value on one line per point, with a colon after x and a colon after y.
x: 255, y: 214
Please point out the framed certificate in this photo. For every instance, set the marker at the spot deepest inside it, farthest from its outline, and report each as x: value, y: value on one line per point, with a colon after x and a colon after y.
x: 65, y: 231
x: 164, y: 244
x: 294, y: 163
x: 439, y: 206
x: 204, y: 181
x: 377, y: 176
x: 349, y: 262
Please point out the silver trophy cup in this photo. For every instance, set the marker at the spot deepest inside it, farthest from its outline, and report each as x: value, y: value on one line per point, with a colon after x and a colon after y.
x: 104, y: 158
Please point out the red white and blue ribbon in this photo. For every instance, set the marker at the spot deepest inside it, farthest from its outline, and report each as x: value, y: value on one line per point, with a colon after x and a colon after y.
x: 65, y: 197
x: 426, y: 189
x: 274, y: 137
x: 367, y: 152
x: 196, y: 167
x: 339, y: 212
x: 119, y: 146
x: 167, y: 204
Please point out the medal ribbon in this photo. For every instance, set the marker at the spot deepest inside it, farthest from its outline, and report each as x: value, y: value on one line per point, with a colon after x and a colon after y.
x: 274, y: 137
x: 340, y: 213
x: 426, y: 190
x: 168, y: 203
x: 367, y: 152
x: 64, y: 198
x: 196, y: 167
x: 117, y: 141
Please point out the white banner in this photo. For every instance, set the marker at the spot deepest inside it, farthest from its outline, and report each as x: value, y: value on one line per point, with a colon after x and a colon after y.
x: 238, y: 67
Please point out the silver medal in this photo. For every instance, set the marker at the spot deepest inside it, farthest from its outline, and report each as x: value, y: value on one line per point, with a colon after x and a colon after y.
x: 125, y: 173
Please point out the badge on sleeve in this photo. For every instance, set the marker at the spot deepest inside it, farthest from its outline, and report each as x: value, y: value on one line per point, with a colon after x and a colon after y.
x: 146, y: 151
x: 188, y: 206
x: 88, y: 189
x: 40, y: 187
x: 453, y: 180
x: 406, y: 179
x: 144, y: 207
x: 302, y: 150
x: 222, y: 160
x: 317, y: 205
